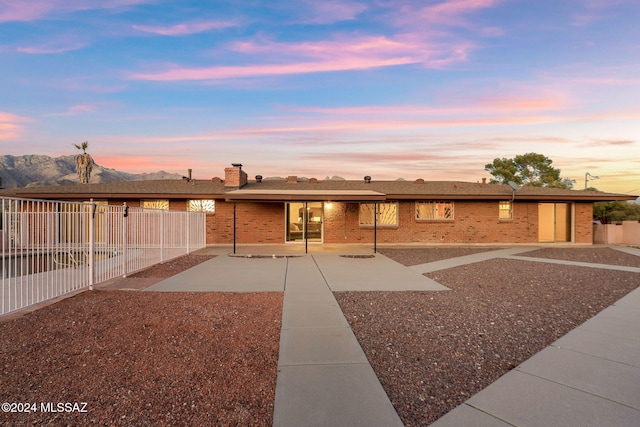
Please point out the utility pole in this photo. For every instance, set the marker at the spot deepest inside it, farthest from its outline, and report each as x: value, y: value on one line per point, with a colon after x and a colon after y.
x: 586, y: 179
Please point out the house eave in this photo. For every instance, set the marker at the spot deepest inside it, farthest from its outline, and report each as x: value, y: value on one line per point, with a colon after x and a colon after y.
x: 304, y: 195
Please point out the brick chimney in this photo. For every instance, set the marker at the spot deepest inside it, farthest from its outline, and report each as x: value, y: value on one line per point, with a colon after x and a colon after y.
x: 235, y: 177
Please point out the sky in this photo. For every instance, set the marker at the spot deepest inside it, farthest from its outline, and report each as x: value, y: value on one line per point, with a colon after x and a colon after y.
x: 431, y: 89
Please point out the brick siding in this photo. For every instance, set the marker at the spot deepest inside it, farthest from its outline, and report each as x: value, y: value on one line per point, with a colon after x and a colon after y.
x: 474, y: 222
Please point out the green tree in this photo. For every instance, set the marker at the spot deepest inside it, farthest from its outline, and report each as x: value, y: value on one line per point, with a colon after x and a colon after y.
x: 608, y: 212
x: 531, y: 169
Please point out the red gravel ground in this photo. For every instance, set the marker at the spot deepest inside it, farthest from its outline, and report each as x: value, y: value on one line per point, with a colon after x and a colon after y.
x: 145, y: 358
x: 433, y: 350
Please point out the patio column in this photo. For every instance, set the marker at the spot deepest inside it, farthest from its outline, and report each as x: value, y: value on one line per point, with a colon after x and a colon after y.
x: 375, y: 227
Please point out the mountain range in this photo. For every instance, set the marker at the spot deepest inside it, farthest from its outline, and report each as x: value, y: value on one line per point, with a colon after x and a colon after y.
x: 40, y: 170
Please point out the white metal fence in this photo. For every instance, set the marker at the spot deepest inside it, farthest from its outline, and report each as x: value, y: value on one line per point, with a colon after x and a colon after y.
x: 50, y: 248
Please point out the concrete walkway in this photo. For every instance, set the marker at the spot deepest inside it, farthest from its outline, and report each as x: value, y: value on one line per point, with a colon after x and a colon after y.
x: 589, y: 377
x: 324, y: 377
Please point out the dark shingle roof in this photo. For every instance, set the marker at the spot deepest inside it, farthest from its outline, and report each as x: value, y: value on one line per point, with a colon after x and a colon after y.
x: 164, y: 188
x: 280, y: 189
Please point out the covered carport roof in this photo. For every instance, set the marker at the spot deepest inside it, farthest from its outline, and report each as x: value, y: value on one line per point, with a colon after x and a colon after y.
x: 305, y: 195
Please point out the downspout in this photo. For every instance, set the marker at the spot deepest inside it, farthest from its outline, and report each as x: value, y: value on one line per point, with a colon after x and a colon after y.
x: 234, y: 227
x: 306, y: 228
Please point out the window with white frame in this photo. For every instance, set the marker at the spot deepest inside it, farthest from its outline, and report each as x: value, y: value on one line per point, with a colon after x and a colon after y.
x: 387, y: 214
x: 434, y: 211
x: 203, y: 205
x: 505, y: 210
x: 158, y: 204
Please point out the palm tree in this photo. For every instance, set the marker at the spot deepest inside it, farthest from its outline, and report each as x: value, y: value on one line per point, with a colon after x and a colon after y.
x: 84, y: 163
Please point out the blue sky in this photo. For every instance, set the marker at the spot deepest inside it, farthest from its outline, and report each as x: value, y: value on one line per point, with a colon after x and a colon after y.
x: 412, y: 89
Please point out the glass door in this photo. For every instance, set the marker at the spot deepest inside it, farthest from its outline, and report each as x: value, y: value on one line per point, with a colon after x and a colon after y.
x: 304, y: 221
x: 554, y: 222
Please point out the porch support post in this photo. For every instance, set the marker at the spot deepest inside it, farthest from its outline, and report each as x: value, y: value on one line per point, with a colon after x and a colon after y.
x: 234, y: 227
x: 375, y: 227
x: 305, y: 227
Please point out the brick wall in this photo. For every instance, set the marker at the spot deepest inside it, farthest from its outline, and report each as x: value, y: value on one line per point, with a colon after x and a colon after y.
x: 474, y: 222
x: 255, y: 223
x: 583, y: 223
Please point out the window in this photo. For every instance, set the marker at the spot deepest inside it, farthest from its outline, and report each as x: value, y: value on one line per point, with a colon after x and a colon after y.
x: 160, y: 204
x: 206, y: 206
x: 505, y: 210
x: 387, y: 214
x: 434, y: 210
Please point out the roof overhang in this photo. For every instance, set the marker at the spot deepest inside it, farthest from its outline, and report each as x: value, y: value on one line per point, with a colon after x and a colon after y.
x: 305, y: 195
x: 117, y: 196
x: 576, y: 198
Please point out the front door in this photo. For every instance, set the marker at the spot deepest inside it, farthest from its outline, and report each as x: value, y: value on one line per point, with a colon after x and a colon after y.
x: 304, y: 221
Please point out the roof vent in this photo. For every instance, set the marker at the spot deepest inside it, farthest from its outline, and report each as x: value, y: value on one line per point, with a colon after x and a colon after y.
x: 367, y: 179
x: 258, y: 178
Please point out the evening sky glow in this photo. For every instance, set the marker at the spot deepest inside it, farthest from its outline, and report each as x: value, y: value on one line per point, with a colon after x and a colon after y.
x: 413, y: 89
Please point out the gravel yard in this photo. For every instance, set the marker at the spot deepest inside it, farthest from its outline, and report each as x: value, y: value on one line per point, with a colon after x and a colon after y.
x: 146, y: 358
x: 433, y: 350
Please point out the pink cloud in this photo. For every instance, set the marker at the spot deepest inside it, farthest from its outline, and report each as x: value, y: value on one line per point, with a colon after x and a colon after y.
x: 186, y: 28
x: 325, y: 56
x: 33, y: 10
x: 50, y: 48
x: 481, y: 106
x: 216, y: 73
x: 328, y: 11
x: 523, y: 103
x: 450, y: 13
x: 75, y: 110
x: 596, y: 10
x: 9, y: 125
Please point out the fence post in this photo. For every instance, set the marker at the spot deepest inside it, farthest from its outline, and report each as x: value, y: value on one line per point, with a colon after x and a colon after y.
x: 92, y: 244
x: 188, y: 232
x: 162, y: 236
x: 125, y: 225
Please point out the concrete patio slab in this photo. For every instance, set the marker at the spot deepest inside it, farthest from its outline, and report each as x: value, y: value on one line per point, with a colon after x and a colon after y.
x: 521, y: 399
x: 611, y: 380
x: 331, y: 395
x: 304, y: 346
x: 313, y: 316
x: 616, y: 321
x: 372, y: 274
x: 577, y: 263
x: 466, y: 416
x: 469, y: 259
x: 303, y: 274
x: 631, y: 300
x: 228, y: 274
x: 602, y: 345
x: 310, y: 297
